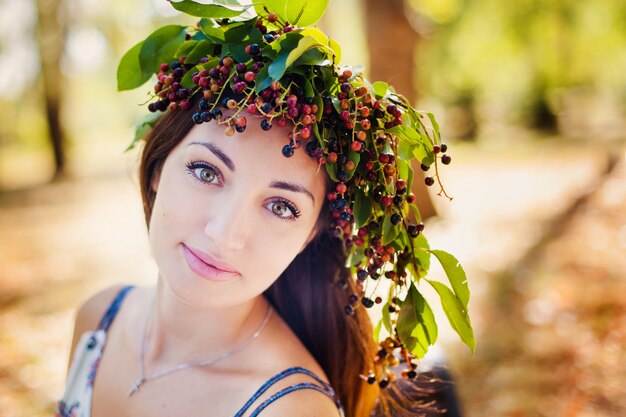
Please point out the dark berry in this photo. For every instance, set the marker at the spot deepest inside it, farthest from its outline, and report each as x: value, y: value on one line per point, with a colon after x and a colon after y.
x: 288, y: 152
x: 266, y: 125
x: 444, y: 148
x: 240, y: 129
x: 216, y: 113
x: 266, y: 107
x: 397, y: 200
x: 424, y: 167
x: 429, y: 181
x: 371, y: 379
x: 206, y: 116
x: 412, y: 229
x: 420, y: 227
x: 367, y: 302
x: 252, y: 49
x: 152, y: 108
x: 411, y: 374
x: 348, y: 310
x: 203, y: 104
x: 197, y: 118
x: 446, y: 159
x: 361, y: 275
x: 353, y: 298
x: 395, y: 218
x: 436, y: 149
x: 383, y: 383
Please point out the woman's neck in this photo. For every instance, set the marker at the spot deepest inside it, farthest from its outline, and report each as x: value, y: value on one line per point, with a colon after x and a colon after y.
x: 179, y: 333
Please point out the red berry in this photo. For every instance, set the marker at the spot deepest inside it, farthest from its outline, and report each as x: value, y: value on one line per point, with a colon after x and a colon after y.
x: 356, y: 146
x: 272, y: 17
x: 341, y: 188
x: 249, y: 76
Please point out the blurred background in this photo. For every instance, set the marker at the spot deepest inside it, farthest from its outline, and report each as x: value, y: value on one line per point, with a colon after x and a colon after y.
x: 531, y: 97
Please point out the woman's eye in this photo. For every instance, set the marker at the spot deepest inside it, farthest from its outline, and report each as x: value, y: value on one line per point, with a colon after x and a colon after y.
x: 205, y: 174
x: 285, y: 210
x: 202, y: 172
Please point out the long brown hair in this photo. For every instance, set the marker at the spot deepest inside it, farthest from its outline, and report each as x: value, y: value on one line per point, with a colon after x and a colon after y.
x: 310, y: 294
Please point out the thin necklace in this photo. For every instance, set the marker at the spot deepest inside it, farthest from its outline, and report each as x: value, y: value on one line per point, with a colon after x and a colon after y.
x: 145, y: 378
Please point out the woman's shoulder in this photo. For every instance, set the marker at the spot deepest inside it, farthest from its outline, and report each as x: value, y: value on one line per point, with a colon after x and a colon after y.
x: 280, y: 360
x: 95, y: 306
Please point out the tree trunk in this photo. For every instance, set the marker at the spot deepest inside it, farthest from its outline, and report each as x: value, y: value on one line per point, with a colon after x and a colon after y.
x: 392, y: 43
x: 51, y: 39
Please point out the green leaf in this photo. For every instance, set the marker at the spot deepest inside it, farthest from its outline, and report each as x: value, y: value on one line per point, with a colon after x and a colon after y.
x: 129, y: 74
x: 263, y: 80
x: 435, y: 125
x: 292, y: 47
x: 144, y: 127
x: 334, y: 45
x: 377, y: 331
x: 405, y: 133
x: 304, y: 12
x: 214, y: 33
x: 362, y: 208
x: 421, y: 256
x: 390, y: 231
x: 455, y: 274
x: 386, y: 320
x: 273, y: 6
x: 456, y: 313
x: 404, y: 170
x: 313, y: 57
x: 417, y: 327
x: 380, y: 89
x: 331, y: 169
x: 424, y: 153
x: 356, y: 255
x: 160, y: 46
x: 201, y: 50
x: 238, y: 31
x: 185, y: 47
x: 206, y: 10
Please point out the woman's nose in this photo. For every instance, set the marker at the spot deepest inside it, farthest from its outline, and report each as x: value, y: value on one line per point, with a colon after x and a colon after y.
x: 227, y: 223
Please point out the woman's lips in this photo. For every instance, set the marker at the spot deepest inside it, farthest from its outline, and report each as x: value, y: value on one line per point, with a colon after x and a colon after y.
x: 199, y: 263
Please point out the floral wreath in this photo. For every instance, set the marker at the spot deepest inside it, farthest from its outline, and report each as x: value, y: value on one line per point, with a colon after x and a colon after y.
x: 266, y: 59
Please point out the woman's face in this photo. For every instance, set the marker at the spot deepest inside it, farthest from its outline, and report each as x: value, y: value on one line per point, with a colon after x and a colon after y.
x: 235, y: 203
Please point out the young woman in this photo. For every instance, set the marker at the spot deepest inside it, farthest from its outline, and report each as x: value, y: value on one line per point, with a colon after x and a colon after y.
x: 257, y: 236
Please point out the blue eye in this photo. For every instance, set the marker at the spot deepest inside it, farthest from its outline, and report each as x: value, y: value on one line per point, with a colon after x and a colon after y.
x: 282, y: 207
x: 203, y: 172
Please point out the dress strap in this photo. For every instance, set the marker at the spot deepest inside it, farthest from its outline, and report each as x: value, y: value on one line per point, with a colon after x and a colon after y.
x: 325, y: 388
x: 108, y: 317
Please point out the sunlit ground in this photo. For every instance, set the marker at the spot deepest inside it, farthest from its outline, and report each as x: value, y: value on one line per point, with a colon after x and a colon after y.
x: 551, y: 329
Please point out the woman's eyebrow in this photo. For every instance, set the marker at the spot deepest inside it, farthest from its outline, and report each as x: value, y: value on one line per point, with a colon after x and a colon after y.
x: 217, y: 152
x: 288, y: 186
